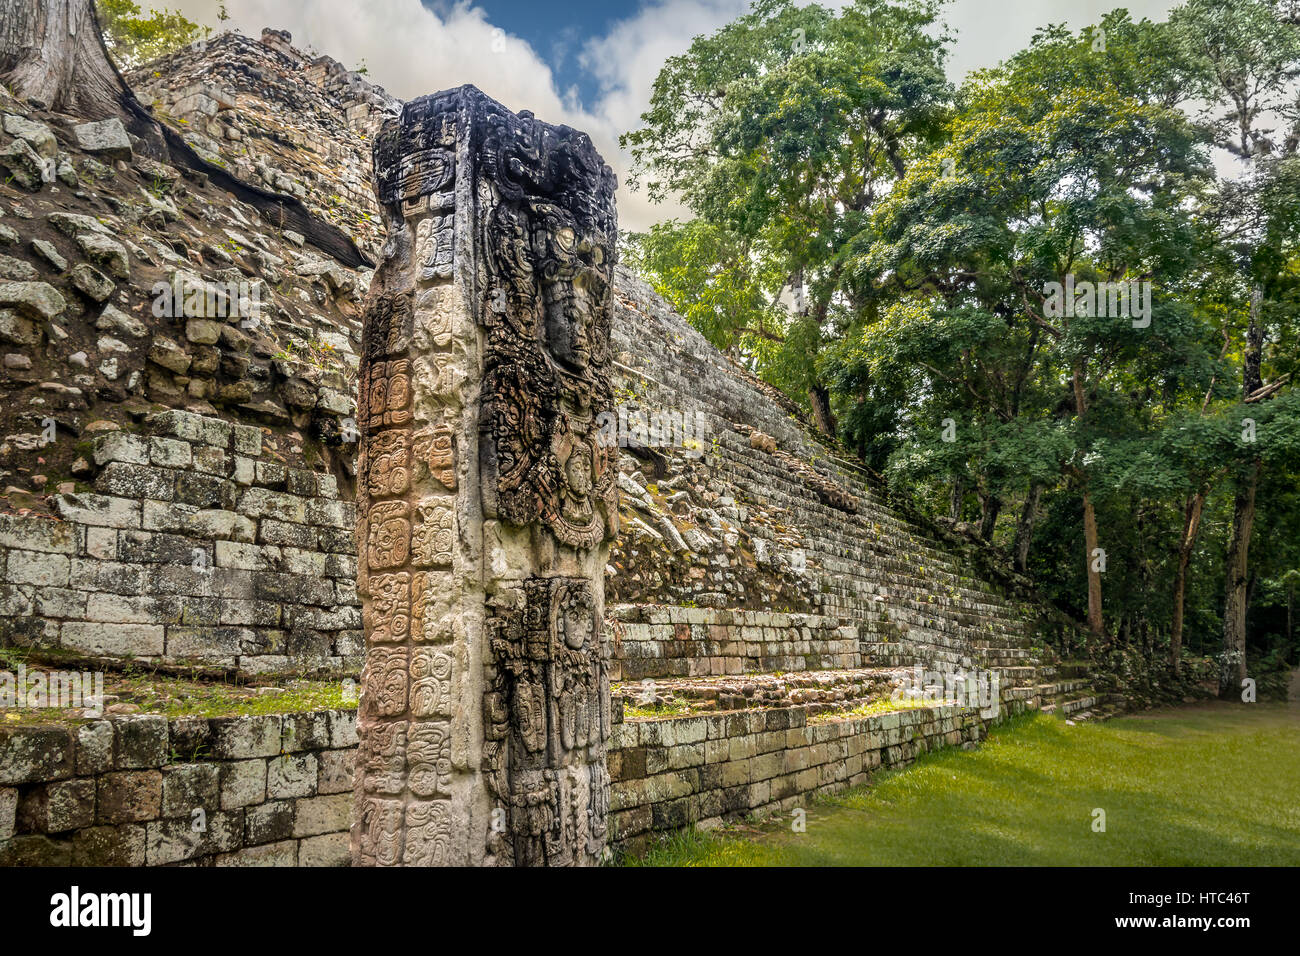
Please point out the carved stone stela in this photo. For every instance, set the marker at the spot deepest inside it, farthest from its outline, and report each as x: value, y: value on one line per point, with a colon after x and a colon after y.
x: 486, y: 505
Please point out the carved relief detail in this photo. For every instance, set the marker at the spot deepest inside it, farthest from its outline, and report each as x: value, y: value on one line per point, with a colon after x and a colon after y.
x: 435, y: 243
x: 388, y: 619
x: 428, y: 834
x: 549, y: 709
x: 380, y: 823
x: 381, y: 758
x: 436, y: 378
x: 387, y: 463
x: 429, y: 756
x: 431, y: 682
x: 384, y: 682
x: 433, y: 313
x: 547, y: 229
x: 387, y: 387
x: 407, y: 175
x: 435, y: 454
x: 520, y: 215
x: 389, y: 541
x: 434, y: 536
x: 390, y: 322
x: 434, y: 612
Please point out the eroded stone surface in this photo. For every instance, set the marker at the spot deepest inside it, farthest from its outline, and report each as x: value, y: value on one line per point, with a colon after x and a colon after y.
x: 484, y: 523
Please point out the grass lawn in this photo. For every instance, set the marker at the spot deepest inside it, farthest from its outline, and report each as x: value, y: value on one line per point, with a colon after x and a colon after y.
x: 1214, y: 784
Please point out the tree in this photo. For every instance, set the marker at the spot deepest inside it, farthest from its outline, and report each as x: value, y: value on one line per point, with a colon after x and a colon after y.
x: 1067, y: 163
x: 1244, y: 57
x: 51, y: 51
x: 781, y: 132
x: 133, y: 38
x: 709, y: 277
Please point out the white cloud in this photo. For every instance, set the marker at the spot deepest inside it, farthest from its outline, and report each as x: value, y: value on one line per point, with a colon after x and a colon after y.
x: 626, y: 61
x: 989, y: 31
x: 411, y: 51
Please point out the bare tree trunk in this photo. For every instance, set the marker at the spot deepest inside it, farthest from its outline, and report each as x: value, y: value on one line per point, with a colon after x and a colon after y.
x: 1095, y: 622
x: 1233, y: 671
x: 955, y: 498
x: 1025, y: 526
x: 1191, y: 525
x: 1290, y: 618
x: 53, y: 51
x: 1235, y: 599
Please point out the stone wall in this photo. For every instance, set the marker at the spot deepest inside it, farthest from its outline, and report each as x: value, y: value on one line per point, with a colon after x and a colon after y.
x: 703, y: 770
x: 671, y: 641
x: 277, y: 790
x: 275, y: 115
x: 764, y: 516
x: 196, y: 546
x: 143, y: 790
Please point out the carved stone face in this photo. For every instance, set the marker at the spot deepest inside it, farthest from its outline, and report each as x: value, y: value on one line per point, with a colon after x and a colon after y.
x: 577, y: 626
x: 569, y: 319
x: 577, y: 472
x: 575, y: 618
x: 571, y: 291
x: 577, y: 506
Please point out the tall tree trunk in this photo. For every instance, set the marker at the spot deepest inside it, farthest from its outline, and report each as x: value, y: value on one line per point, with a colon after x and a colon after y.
x: 53, y: 51
x: 1095, y: 622
x: 1191, y: 525
x: 956, y: 497
x: 1235, y: 599
x: 1290, y: 618
x: 1233, y: 671
x: 1025, y: 526
x: 990, y: 508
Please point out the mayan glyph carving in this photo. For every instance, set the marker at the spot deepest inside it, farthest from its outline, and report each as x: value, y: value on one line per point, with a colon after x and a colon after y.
x: 485, y: 704
x: 407, y: 518
x: 388, y: 618
x: 550, y: 705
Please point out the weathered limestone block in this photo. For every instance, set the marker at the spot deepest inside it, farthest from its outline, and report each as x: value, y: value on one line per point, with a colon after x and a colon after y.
x: 107, y: 139
x: 330, y: 849
x: 34, y: 754
x: 485, y: 503
x: 189, y: 787
x: 128, y: 796
x: 121, y: 845
x: 140, y: 740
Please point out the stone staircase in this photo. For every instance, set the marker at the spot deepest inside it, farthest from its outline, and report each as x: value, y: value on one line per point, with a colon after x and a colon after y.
x: 769, y: 605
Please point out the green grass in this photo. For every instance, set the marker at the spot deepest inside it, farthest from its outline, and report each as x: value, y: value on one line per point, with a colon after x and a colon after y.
x: 1217, y: 784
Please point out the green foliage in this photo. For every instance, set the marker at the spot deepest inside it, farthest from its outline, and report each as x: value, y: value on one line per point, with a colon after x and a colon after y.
x: 706, y: 274
x: 825, y: 151
x: 134, y: 37
x: 780, y: 132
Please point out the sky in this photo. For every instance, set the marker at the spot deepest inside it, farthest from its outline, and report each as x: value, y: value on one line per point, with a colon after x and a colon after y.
x: 587, y: 63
